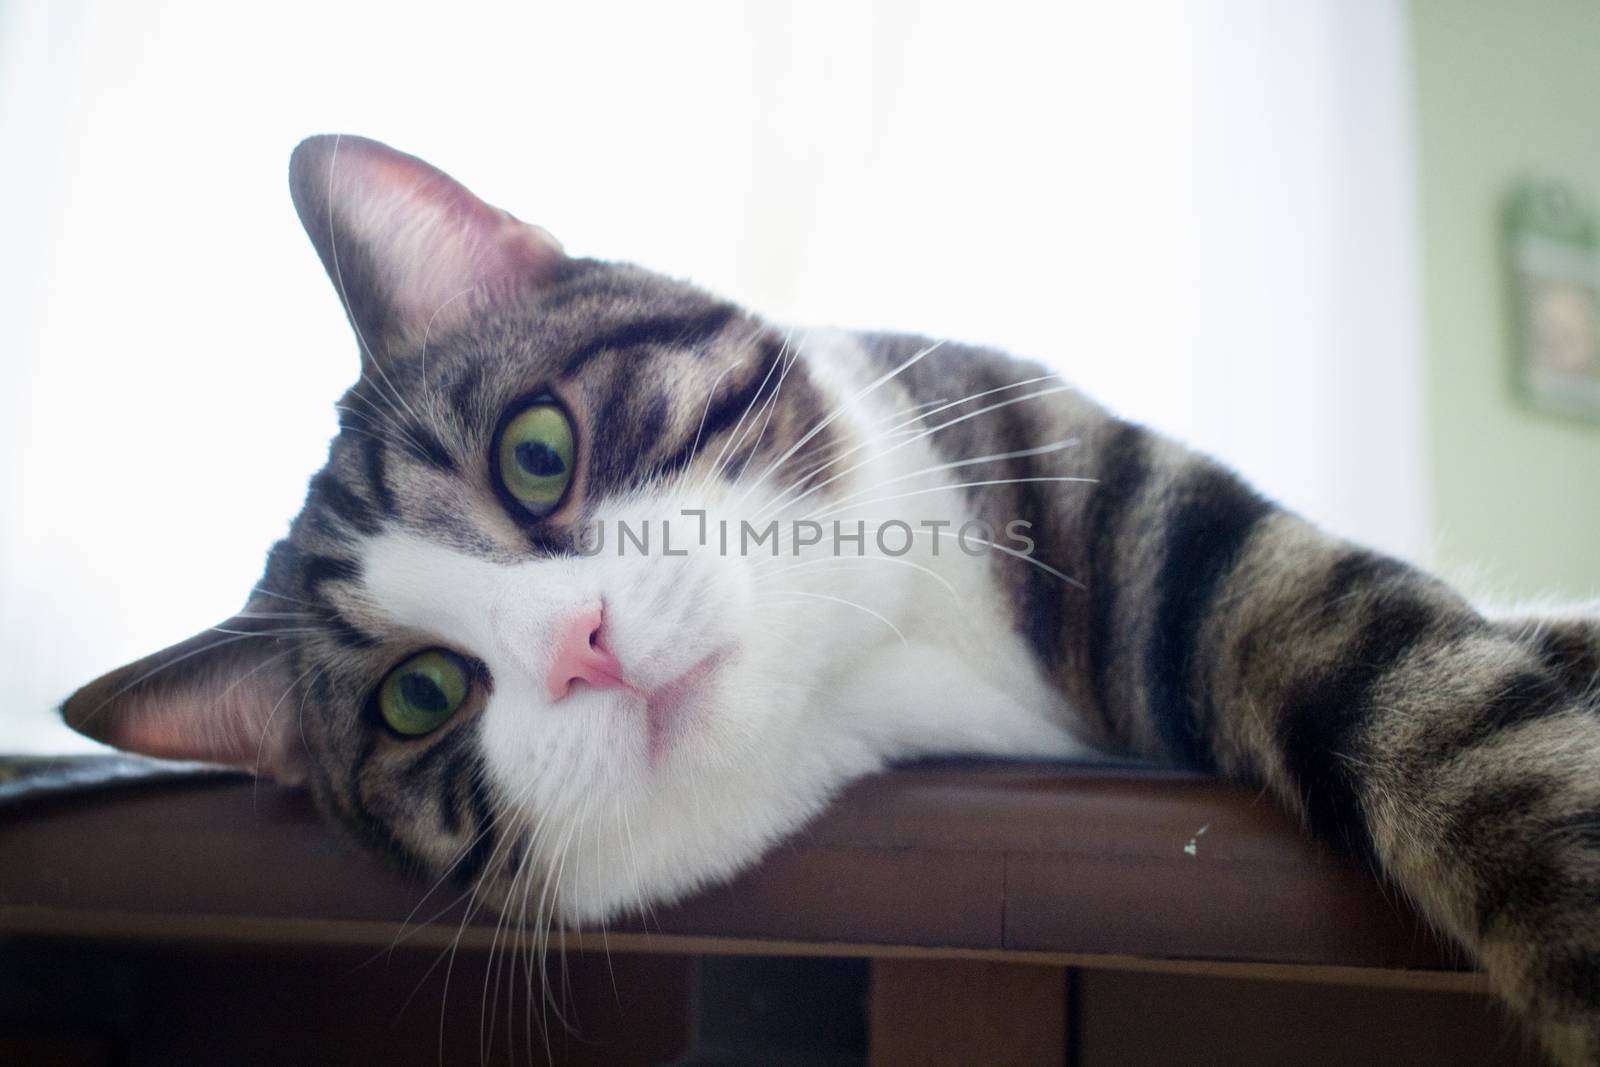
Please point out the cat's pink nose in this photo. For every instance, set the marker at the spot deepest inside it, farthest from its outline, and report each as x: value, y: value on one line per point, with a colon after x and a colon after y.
x: 581, y: 655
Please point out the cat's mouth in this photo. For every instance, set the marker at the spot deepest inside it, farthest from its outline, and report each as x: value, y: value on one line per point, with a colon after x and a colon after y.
x: 670, y: 708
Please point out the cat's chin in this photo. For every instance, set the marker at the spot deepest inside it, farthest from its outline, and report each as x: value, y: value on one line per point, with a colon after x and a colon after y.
x: 675, y: 710
x: 727, y: 791
x: 610, y: 886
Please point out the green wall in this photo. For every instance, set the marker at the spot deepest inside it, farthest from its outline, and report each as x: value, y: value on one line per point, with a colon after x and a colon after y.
x: 1504, y: 89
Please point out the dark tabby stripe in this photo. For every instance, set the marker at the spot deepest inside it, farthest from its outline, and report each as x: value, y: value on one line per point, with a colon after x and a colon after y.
x: 720, y: 416
x: 1460, y: 758
x: 1572, y: 651
x: 1355, y: 574
x: 1325, y: 715
x: 1581, y: 827
x: 1121, y: 474
x: 366, y: 823
x: 317, y: 569
x: 477, y: 856
x: 329, y: 492
x: 377, y: 475
x: 1205, y: 534
x: 441, y: 766
x: 420, y: 443
x: 654, y: 420
x: 463, y: 394
x: 1574, y: 972
x: 690, y: 329
x: 1496, y: 815
x: 1044, y: 605
x: 1524, y: 696
x: 348, y: 633
x: 449, y: 794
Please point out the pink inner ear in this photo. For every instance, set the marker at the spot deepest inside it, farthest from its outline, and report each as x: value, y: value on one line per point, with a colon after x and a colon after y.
x: 205, y: 699
x: 434, y: 244
x: 237, y: 732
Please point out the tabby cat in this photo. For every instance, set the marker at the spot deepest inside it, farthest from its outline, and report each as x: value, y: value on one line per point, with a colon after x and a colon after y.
x: 608, y: 585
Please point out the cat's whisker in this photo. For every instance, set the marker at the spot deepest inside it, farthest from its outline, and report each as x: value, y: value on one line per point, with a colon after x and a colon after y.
x: 519, y: 893
x: 406, y: 932
x: 767, y: 400
x: 389, y: 414
x: 385, y: 421
x: 1024, y: 556
x: 647, y: 909
x: 490, y: 870
x: 906, y: 413
x: 997, y: 457
x: 871, y: 557
x: 536, y: 957
x: 776, y: 633
x: 259, y: 591
x: 281, y: 631
x: 838, y: 412
x: 385, y: 441
x: 762, y: 687
x: 911, y: 424
x: 544, y: 914
x: 841, y: 504
x: 333, y: 239
x: 450, y: 868
x: 427, y: 334
x: 847, y: 603
x: 786, y: 540
x: 427, y: 973
x: 534, y: 846
x: 488, y: 1004
x: 734, y: 434
x: 311, y: 673
x: 391, y: 397
x: 771, y: 409
x: 832, y: 510
x: 386, y: 436
x: 936, y: 534
x: 338, y: 276
x: 381, y: 432
x: 998, y: 405
x: 167, y: 665
x: 532, y: 969
x: 705, y: 410
x: 577, y: 867
x: 470, y: 892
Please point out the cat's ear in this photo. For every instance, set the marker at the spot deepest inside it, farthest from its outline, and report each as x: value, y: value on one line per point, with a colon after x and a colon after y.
x: 222, y: 696
x: 409, y: 249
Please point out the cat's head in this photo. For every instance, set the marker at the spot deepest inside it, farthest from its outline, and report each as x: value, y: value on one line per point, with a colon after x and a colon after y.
x: 436, y: 649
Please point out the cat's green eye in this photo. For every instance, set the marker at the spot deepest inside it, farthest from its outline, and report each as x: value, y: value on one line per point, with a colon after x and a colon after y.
x: 535, y: 454
x: 421, y: 694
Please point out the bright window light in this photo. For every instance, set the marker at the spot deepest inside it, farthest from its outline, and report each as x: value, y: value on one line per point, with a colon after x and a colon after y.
x: 1201, y: 212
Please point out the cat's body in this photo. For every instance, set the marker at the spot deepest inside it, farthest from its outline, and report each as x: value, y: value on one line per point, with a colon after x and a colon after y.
x: 579, y: 727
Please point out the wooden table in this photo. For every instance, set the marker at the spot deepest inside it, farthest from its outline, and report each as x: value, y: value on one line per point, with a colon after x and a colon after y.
x: 1012, y: 913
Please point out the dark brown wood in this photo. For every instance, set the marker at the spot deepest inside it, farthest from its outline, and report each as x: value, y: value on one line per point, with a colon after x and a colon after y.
x: 934, y: 1013
x: 109, y: 1003
x: 1067, y: 860
x: 1155, y: 1020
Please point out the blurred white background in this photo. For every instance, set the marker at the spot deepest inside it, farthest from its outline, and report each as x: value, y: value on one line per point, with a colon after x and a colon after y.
x: 1201, y: 212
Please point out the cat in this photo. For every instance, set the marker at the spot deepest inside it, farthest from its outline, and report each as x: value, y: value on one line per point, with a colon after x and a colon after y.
x: 608, y: 585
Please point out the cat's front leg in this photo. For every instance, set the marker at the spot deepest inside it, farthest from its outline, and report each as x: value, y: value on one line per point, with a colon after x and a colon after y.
x: 919, y: 698
x: 1459, y: 755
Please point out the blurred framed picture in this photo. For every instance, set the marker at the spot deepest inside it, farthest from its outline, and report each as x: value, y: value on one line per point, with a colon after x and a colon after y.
x: 1555, y: 279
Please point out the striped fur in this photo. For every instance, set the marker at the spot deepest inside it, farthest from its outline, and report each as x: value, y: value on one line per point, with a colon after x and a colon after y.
x: 1459, y: 753
x: 1166, y: 610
